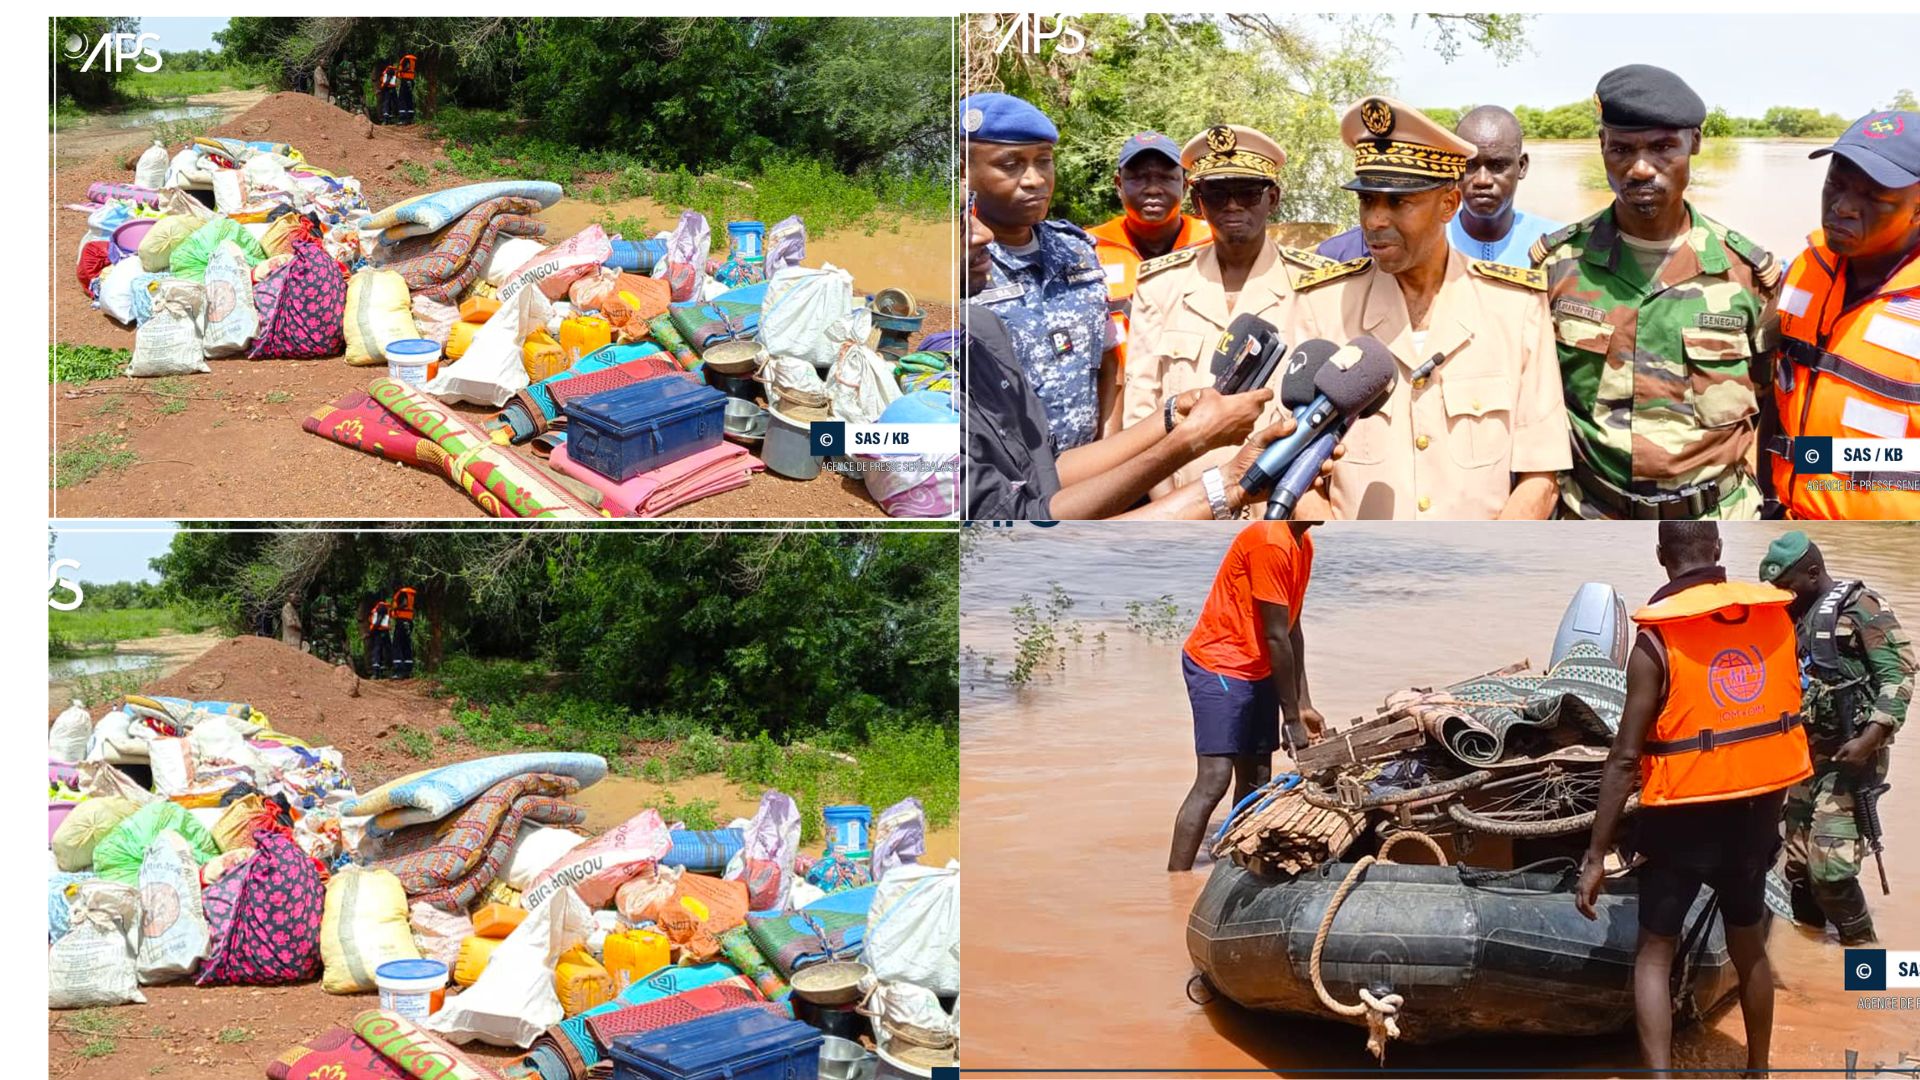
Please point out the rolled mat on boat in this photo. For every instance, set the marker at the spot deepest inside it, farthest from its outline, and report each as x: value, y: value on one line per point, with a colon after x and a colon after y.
x: 1579, y: 699
x: 1471, y: 951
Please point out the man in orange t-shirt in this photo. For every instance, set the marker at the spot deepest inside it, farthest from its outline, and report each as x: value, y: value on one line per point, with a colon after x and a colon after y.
x: 1152, y: 187
x: 1245, y: 666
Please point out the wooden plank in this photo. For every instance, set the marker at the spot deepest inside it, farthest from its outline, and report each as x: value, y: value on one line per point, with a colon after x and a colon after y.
x: 1346, y: 748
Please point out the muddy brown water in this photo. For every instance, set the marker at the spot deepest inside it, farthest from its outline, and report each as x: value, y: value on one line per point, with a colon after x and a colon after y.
x: 1075, y: 931
x: 1765, y: 188
x: 902, y: 254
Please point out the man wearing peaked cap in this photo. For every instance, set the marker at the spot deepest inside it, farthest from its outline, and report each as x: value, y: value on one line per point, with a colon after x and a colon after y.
x: 1045, y: 282
x: 1184, y: 301
x: 1474, y: 427
x: 1152, y: 185
x: 1850, y: 324
x: 1664, y: 322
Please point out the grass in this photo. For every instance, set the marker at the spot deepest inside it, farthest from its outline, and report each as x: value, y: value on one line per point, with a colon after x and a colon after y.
x: 233, y: 1035
x: 86, y: 457
x: 487, y: 144
x: 1158, y: 620
x: 279, y: 397
x: 415, y: 172
x: 83, y: 364
x: 104, y: 626
x: 1041, y: 631
x: 413, y: 743
x: 694, y: 813
x: 171, y: 83
x: 113, y: 406
x: 114, y: 685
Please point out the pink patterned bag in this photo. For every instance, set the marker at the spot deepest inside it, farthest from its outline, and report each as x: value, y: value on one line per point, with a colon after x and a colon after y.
x: 303, y: 308
x: 264, y: 917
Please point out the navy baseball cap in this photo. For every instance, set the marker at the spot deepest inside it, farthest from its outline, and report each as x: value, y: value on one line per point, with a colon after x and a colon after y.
x: 1886, y: 146
x: 1148, y: 141
x: 1003, y: 118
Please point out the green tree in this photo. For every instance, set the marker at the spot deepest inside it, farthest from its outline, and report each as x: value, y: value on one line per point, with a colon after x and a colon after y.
x: 72, y: 39
x: 1718, y: 124
x: 1904, y: 99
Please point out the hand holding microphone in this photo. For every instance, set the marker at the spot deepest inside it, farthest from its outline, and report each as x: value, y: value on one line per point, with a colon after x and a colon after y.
x: 1216, y: 419
x: 1346, y: 381
x: 1248, y: 355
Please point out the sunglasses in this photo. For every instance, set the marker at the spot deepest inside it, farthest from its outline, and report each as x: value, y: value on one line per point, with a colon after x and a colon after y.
x: 1219, y: 194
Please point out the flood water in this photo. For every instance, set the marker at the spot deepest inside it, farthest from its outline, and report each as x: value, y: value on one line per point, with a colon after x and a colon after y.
x: 62, y: 670
x: 1764, y: 188
x: 913, y: 255
x: 1076, y: 932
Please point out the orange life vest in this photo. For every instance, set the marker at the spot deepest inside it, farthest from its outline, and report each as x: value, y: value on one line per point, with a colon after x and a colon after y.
x: 1852, y: 373
x: 378, y: 618
x: 1730, y: 726
x: 387, y: 78
x: 406, y: 66
x: 403, y: 603
x: 1121, y: 260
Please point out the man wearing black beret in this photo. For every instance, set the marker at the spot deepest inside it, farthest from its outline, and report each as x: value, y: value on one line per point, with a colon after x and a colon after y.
x: 1665, y: 323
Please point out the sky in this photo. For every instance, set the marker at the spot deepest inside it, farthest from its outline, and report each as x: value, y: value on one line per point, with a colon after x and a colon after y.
x: 183, y: 34
x: 1744, y: 63
x: 120, y: 555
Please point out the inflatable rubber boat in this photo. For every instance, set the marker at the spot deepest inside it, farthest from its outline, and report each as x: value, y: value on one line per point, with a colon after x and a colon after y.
x: 1469, y: 951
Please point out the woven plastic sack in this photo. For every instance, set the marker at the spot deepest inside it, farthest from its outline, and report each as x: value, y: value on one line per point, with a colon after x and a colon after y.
x: 119, y: 854
x: 67, y: 738
x: 437, y: 933
x: 93, y: 963
x: 173, y: 924
x: 379, y: 313
x: 558, y: 267
x: 231, y: 320
x: 59, y: 888
x: 156, y: 248
x: 302, y: 305
x: 645, y: 892
x: 800, y: 305
x: 786, y: 245
x: 687, y: 251
x: 364, y: 924
x: 168, y: 343
x: 514, y: 1000
x: 89, y: 823
x: 536, y: 849
x: 899, y: 837
x: 913, y: 929
x: 265, y: 918
x: 433, y: 319
x: 596, y: 870
x: 189, y: 259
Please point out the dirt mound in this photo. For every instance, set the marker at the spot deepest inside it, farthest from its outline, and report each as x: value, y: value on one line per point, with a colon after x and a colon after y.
x: 343, y: 143
x: 305, y: 696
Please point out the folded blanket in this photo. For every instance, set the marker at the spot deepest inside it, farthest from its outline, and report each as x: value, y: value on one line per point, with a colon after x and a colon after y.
x: 677, y: 483
x: 808, y: 937
x: 738, y: 947
x: 420, y: 1053
x: 733, y: 314
x: 435, y: 210
x: 334, y: 1054
x: 501, y: 483
x: 432, y: 794
x: 449, y: 864
x: 455, y: 259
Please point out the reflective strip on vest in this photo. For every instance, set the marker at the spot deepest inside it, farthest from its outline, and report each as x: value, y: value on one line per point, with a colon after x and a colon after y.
x: 1732, y: 673
x: 1851, y: 373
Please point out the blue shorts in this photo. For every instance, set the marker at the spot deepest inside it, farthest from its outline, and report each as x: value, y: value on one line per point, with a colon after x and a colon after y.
x: 1231, y: 716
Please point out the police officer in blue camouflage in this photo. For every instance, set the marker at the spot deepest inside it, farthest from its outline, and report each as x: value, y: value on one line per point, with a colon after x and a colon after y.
x: 1046, y: 284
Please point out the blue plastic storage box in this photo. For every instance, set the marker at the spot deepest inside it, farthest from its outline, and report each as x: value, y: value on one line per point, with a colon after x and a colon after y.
x: 630, y: 429
x: 739, y: 1044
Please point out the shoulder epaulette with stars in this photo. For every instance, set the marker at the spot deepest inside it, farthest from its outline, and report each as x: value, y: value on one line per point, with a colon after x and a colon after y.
x: 1544, y: 246
x: 1766, y: 268
x: 1312, y: 260
x: 1512, y: 275
x: 1171, y: 258
x: 1333, y: 272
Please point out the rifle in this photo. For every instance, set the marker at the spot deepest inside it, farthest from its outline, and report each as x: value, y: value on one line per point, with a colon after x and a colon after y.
x: 1866, y: 796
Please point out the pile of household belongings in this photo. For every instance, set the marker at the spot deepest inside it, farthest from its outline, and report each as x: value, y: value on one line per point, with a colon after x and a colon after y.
x: 251, y: 860
x: 1506, y: 719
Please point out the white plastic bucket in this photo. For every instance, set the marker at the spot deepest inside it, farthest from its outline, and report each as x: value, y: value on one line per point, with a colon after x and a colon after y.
x: 411, y: 360
x: 410, y: 987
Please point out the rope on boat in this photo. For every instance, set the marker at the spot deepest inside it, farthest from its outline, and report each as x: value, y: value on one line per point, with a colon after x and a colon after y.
x: 1381, y: 1011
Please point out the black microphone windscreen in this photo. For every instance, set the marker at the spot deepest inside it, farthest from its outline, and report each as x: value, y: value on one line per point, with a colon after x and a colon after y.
x: 1243, y: 335
x: 1357, y: 375
x: 1303, y: 368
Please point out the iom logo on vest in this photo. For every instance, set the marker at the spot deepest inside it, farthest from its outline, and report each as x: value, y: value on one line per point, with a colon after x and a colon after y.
x: 1735, y: 678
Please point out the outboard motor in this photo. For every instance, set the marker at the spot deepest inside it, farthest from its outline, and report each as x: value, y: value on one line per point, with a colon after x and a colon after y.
x: 1596, y: 614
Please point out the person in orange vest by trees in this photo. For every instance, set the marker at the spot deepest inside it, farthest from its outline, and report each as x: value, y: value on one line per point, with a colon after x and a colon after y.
x: 380, y: 636
x: 1152, y: 186
x: 388, y: 88
x: 405, y: 71
x: 403, y: 605
x: 1713, y: 735
x: 1850, y: 327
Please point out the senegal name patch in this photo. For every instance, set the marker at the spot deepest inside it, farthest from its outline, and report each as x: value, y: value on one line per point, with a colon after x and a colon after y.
x: 1707, y: 320
x: 1574, y: 309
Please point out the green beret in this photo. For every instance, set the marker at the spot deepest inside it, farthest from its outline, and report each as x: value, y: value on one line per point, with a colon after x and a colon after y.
x: 1640, y: 97
x: 1790, y: 548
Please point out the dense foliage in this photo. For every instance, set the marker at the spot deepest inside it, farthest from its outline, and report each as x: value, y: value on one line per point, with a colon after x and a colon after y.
x: 88, y: 89
x: 788, y: 633
x: 861, y: 94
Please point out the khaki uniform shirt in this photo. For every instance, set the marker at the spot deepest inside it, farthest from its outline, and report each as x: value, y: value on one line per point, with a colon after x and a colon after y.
x: 1180, y: 317
x: 1447, y: 446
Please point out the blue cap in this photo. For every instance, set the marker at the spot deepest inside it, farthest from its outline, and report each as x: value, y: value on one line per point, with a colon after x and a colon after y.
x: 1145, y: 141
x: 1003, y: 118
x: 1886, y: 146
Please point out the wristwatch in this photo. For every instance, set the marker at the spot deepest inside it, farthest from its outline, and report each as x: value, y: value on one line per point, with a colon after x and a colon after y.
x: 1216, y: 494
x: 1171, y: 402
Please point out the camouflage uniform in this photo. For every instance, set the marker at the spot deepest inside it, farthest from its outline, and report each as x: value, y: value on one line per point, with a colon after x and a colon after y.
x: 1824, y: 849
x: 1054, y: 302
x: 1661, y: 374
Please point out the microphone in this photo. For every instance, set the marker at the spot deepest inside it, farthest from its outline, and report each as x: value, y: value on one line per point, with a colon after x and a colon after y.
x: 1353, y: 379
x: 1302, y: 473
x: 1247, y: 355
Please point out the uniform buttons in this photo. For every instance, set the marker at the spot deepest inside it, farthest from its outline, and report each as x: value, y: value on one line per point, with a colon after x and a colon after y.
x: 1421, y: 443
x: 1426, y: 504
